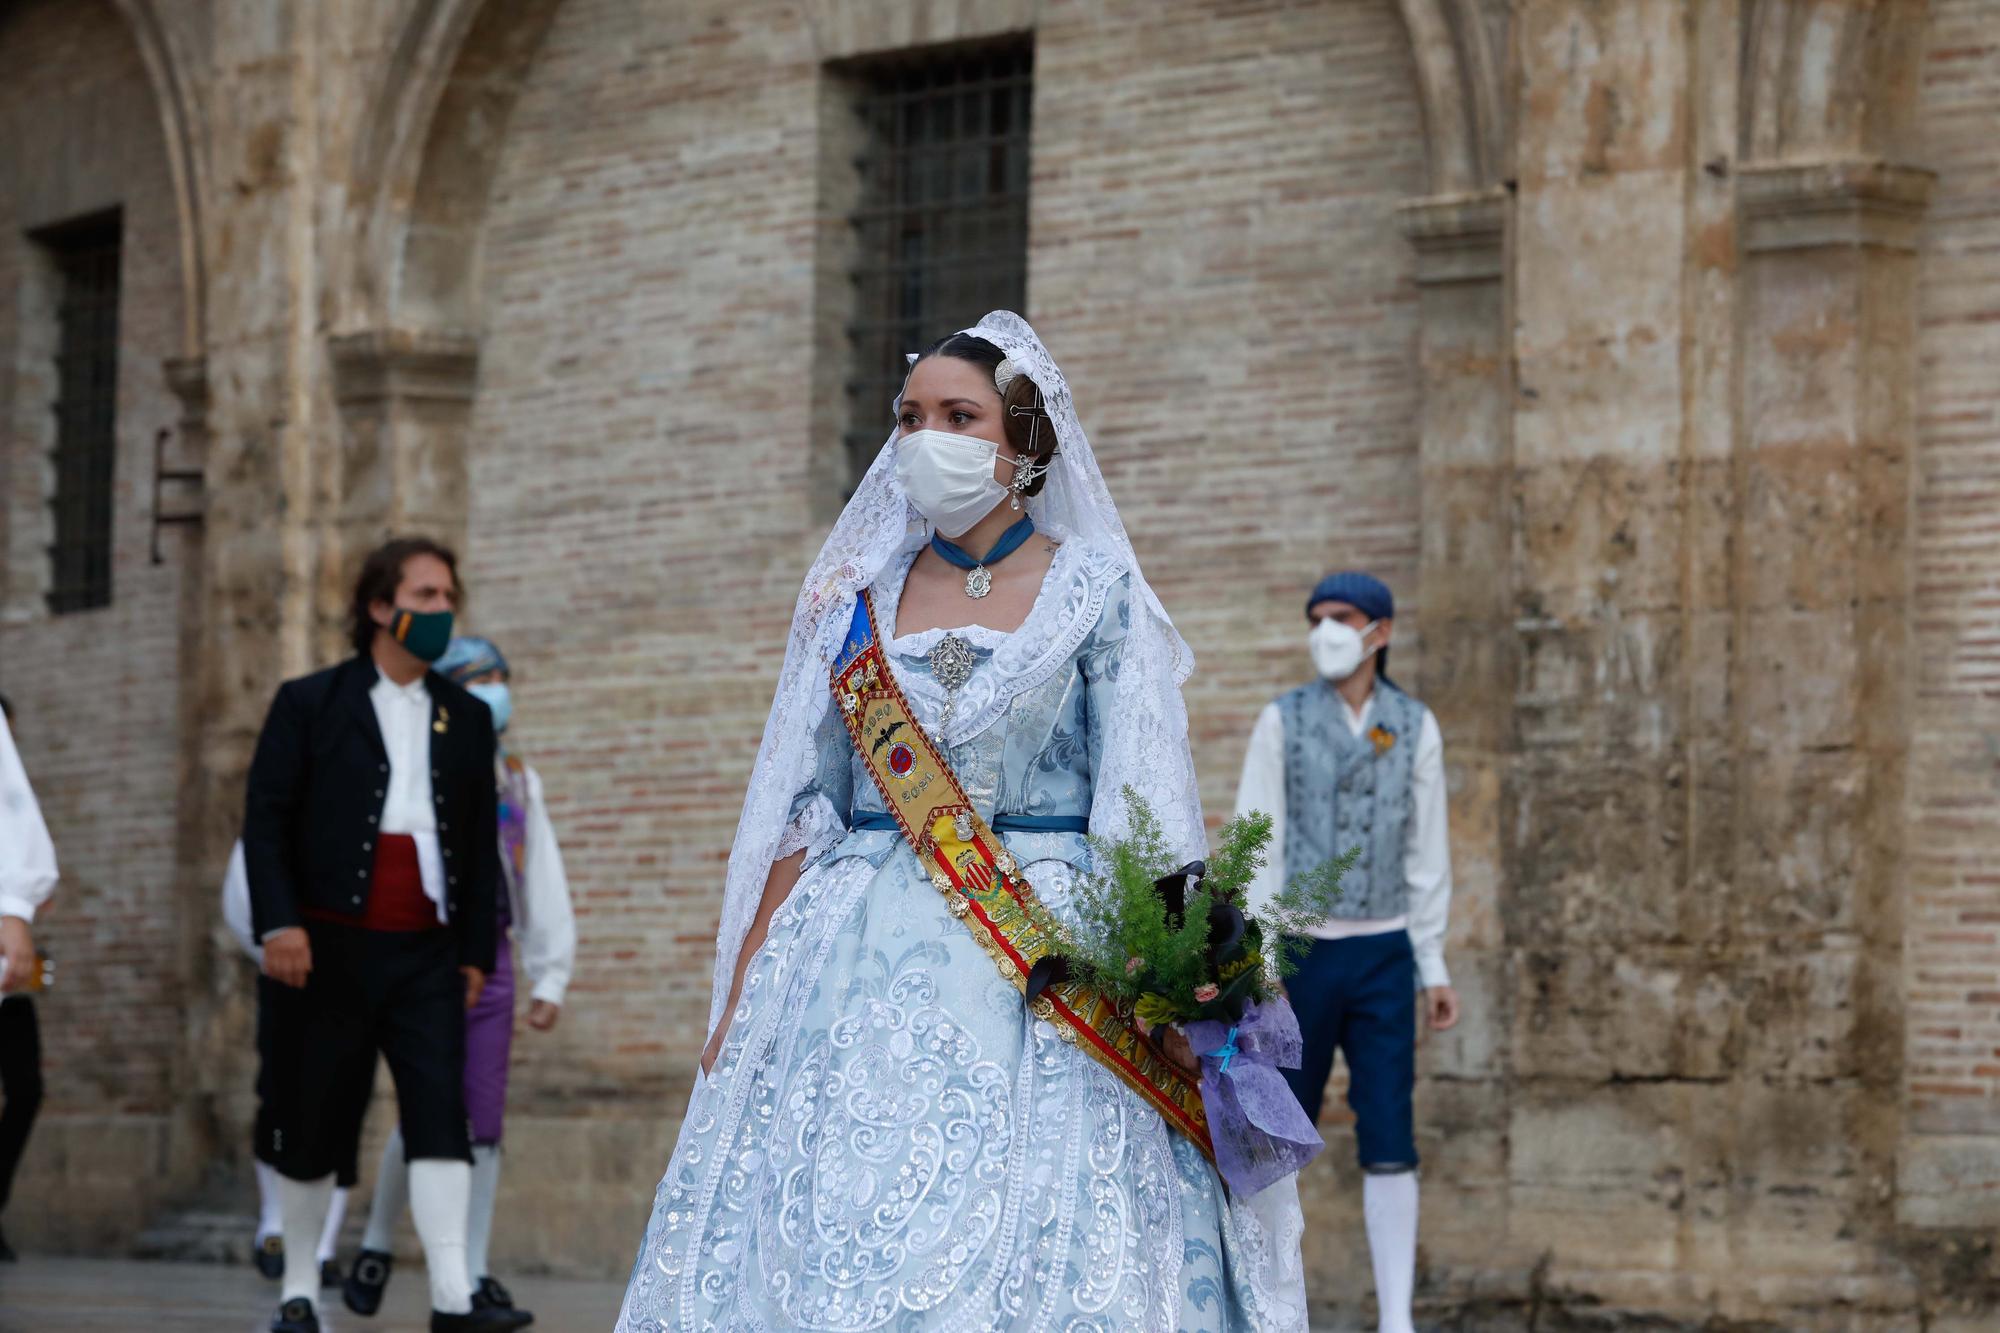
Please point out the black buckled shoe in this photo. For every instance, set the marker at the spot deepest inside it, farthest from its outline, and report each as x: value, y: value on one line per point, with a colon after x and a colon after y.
x: 329, y: 1273
x: 480, y: 1321
x: 363, y: 1288
x: 490, y: 1295
x: 296, y: 1316
x: 269, y: 1256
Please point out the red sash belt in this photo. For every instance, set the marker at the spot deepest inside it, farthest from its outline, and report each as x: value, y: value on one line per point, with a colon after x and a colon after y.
x: 396, y: 899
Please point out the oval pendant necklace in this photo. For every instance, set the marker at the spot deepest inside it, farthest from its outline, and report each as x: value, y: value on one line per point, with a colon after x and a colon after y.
x: 978, y: 578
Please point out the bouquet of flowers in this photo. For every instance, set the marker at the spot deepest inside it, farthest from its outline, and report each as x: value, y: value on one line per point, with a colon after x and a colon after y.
x: 1180, y: 946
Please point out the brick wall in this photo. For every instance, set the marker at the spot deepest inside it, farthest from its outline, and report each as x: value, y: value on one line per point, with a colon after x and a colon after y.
x: 95, y: 692
x: 1953, y: 916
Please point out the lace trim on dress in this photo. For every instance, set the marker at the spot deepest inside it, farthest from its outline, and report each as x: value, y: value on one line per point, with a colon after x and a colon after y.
x: 921, y: 643
x: 1067, y: 608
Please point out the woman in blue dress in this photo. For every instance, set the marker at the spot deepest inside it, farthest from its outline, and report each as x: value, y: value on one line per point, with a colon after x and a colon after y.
x: 882, y: 1135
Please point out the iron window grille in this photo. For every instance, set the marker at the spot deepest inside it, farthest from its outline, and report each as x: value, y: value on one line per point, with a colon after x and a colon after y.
x: 86, y: 258
x: 941, y: 232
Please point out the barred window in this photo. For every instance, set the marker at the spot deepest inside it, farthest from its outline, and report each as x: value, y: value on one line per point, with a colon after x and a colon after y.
x: 941, y: 230
x: 86, y: 257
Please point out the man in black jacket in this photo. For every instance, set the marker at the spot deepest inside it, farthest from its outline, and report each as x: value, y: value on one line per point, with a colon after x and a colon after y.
x: 373, y: 857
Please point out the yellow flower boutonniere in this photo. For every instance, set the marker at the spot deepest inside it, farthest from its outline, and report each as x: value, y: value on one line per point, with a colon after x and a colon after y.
x: 1385, y: 740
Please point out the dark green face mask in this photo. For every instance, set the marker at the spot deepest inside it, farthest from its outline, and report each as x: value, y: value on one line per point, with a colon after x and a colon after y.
x: 424, y: 634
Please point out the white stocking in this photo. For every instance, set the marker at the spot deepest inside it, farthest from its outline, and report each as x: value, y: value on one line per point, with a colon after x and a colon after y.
x: 440, y: 1195
x: 303, y: 1203
x: 270, y: 1221
x: 336, y: 1218
x: 392, y: 1195
x: 1389, y: 1203
x: 479, y: 1222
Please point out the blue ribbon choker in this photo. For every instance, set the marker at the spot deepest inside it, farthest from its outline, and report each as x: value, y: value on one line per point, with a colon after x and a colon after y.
x: 1010, y: 541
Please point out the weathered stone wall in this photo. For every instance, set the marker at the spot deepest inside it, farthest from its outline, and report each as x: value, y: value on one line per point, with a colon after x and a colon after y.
x: 1651, y: 383
x: 96, y: 692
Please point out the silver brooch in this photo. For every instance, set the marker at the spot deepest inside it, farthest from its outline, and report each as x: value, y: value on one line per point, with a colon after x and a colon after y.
x: 951, y: 662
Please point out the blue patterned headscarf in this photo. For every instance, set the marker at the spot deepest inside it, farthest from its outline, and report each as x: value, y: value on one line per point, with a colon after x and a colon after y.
x: 468, y: 658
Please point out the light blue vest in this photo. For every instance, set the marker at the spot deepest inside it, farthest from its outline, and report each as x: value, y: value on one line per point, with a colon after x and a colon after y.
x: 1344, y: 791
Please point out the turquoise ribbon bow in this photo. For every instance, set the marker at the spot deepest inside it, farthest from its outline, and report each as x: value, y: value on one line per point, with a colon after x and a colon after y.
x: 1227, y: 1051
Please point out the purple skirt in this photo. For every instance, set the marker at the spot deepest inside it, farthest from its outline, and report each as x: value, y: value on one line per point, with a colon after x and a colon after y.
x: 489, y: 1042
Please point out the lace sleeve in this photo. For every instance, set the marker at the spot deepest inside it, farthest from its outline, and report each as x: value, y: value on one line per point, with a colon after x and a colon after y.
x: 815, y: 829
x: 821, y: 810
x: 1138, y: 724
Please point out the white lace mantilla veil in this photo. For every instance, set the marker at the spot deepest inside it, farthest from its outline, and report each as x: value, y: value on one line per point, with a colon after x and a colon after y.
x: 1148, y: 750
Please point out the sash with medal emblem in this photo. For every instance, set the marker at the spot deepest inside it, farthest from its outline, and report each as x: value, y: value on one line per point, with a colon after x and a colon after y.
x: 980, y: 880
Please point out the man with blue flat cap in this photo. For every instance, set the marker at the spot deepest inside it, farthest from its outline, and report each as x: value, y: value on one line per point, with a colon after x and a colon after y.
x: 1351, y: 762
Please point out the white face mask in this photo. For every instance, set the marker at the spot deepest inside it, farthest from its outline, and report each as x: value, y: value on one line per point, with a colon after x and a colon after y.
x: 949, y: 478
x: 1337, y: 650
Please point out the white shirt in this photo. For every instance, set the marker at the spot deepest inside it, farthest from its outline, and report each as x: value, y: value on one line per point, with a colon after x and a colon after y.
x: 27, y: 857
x: 236, y: 904
x: 1426, y: 840
x: 404, y: 714
x: 544, y: 921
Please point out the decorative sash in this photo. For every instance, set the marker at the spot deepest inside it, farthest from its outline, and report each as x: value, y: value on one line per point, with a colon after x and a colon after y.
x: 980, y: 879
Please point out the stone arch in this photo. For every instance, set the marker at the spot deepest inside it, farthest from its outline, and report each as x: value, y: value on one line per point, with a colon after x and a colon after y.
x: 162, y: 48
x: 427, y: 154
x: 1458, y: 75
x: 426, y: 158
x: 1829, y: 79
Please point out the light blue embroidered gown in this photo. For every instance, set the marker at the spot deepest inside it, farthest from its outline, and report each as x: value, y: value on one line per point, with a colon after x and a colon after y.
x: 888, y: 1139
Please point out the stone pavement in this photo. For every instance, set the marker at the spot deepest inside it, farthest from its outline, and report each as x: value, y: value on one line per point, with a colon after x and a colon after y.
x: 125, y: 1296
x: 41, y: 1295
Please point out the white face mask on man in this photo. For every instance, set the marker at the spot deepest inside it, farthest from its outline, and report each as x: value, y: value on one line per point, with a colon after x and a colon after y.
x: 1337, y: 648
x: 949, y: 478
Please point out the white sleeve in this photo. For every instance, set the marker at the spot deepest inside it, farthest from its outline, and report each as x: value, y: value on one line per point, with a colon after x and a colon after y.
x: 27, y: 857
x: 1427, y: 855
x: 236, y: 903
x: 1262, y: 787
x: 548, y: 944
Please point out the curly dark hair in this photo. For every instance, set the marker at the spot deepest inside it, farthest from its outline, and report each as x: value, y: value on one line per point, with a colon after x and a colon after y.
x: 1030, y: 432
x: 381, y: 574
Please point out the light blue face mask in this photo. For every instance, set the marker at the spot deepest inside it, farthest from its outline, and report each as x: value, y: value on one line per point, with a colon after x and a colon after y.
x: 496, y: 696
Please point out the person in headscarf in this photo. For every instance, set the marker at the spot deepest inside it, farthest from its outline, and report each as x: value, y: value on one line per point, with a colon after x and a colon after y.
x: 1350, y: 762
x: 883, y: 1133
x: 536, y: 909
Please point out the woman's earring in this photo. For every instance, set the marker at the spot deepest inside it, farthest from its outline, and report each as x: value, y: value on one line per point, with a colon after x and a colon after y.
x: 1026, y: 470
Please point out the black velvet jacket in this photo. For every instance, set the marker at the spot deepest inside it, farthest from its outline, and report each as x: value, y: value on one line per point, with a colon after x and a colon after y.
x: 317, y: 787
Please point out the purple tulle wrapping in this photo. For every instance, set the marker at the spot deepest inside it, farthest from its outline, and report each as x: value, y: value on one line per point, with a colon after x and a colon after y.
x: 1260, y: 1131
